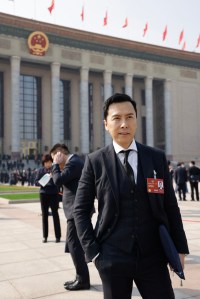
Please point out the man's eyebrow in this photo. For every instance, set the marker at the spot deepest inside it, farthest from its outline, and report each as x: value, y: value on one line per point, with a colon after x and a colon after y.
x: 118, y: 114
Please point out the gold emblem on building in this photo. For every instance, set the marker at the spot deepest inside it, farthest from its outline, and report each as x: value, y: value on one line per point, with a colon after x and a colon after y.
x: 38, y: 43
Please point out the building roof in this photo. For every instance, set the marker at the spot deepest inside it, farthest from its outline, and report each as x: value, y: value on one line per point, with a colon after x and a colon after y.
x: 22, y: 27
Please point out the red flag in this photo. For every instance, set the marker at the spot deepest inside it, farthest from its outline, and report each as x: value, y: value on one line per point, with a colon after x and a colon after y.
x: 82, y: 14
x: 50, y: 8
x: 184, y: 46
x: 181, y: 37
x: 145, y: 29
x: 198, y: 42
x: 164, y: 33
x: 126, y: 23
x: 105, y: 19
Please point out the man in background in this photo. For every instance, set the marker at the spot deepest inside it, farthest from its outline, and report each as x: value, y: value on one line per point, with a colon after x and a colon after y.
x: 66, y: 172
x: 181, y: 177
x: 194, y: 178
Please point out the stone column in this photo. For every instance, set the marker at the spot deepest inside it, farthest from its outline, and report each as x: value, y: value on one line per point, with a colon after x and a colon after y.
x: 84, y: 111
x: 168, y: 118
x: 107, y: 94
x: 55, y: 98
x: 149, y: 110
x: 129, y: 84
x: 15, y: 104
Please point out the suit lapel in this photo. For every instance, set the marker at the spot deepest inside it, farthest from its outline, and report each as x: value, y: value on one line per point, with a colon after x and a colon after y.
x: 145, y: 160
x: 109, y: 160
x: 148, y: 167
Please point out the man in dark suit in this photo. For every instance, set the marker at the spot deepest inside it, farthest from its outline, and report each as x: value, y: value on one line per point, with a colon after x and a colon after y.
x: 66, y: 172
x: 194, y: 178
x: 125, y: 244
x: 180, y: 177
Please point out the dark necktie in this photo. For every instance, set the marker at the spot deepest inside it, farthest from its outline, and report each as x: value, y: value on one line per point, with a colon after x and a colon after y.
x: 128, y: 167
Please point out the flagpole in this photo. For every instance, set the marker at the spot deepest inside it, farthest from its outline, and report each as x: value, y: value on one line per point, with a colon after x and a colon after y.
x: 13, y: 3
x: 14, y: 6
x: 34, y: 16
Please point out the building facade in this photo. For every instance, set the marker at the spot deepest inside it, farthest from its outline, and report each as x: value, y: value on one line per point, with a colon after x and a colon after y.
x: 57, y: 95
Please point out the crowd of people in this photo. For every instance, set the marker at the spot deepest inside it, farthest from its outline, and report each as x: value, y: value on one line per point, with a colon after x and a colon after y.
x: 181, y: 175
x: 185, y: 176
x: 18, y: 171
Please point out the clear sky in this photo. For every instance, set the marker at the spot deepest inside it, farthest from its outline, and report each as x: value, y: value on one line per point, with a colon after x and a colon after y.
x: 177, y: 15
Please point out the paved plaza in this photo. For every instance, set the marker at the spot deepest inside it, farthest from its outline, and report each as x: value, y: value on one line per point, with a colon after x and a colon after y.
x: 31, y: 269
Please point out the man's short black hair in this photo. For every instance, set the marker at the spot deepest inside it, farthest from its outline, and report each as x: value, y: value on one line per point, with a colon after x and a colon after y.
x: 59, y: 147
x: 118, y: 98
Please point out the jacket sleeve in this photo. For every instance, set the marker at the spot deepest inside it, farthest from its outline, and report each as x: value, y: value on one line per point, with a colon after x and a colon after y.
x: 71, y: 171
x: 39, y: 175
x: 84, y: 203
x: 173, y: 213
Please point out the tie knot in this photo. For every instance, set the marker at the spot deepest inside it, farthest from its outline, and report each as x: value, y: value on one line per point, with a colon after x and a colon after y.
x: 126, y: 153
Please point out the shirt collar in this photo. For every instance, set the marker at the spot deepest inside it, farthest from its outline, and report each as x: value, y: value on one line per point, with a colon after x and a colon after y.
x: 69, y: 157
x: 118, y: 148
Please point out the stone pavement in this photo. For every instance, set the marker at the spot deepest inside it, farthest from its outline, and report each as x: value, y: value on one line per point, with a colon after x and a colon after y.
x: 31, y: 269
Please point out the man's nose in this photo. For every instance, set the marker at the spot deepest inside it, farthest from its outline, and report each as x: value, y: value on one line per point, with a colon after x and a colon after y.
x: 124, y: 123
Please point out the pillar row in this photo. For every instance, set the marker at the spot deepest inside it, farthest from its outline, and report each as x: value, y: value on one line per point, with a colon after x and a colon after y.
x: 107, y: 94
x: 15, y: 104
x: 168, y: 117
x: 149, y: 110
x: 129, y: 84
x: 55, y: 96
x: 84, y: 110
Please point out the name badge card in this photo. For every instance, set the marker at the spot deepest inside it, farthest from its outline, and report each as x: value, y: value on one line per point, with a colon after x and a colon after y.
x: 155, y: 186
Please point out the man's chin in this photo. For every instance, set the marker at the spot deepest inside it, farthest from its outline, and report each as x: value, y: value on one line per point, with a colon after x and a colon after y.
x: 124, y: 143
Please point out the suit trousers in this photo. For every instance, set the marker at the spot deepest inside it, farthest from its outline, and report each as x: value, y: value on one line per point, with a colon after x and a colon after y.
x: 119, y: 269
x: 194, y: 187
x: 50, y: 201
x: 77, y: 253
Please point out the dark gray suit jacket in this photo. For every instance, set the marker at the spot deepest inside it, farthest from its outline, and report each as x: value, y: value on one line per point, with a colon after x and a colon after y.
x: 99, y: 180
x: 68, y: 178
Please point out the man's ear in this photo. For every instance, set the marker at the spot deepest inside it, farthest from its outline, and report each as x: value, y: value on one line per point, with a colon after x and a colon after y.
x: 105, y: 125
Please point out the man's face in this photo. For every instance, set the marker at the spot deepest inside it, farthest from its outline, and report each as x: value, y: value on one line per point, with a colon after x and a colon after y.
x: 121, y: 123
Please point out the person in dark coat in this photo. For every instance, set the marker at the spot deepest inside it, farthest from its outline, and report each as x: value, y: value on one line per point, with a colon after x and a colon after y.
x: 66, y: 172
x: 171, y: 171
x: 181, y: 177
x: 124, y: 177
x: 194, y: 178
x: 49, y: 199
